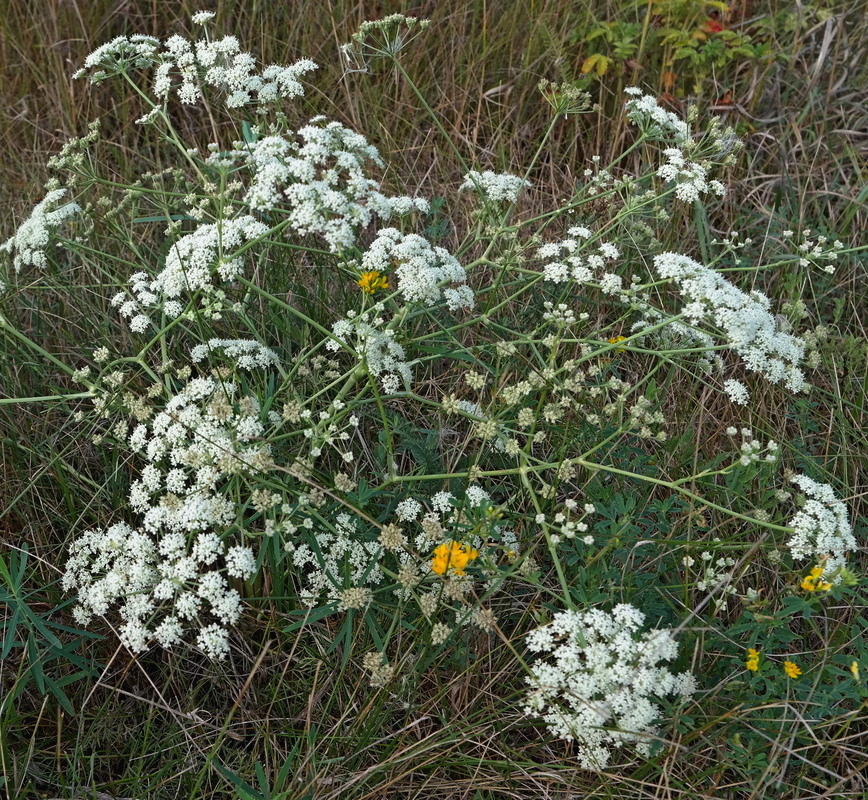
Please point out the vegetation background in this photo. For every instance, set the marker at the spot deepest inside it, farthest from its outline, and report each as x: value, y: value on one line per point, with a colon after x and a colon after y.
x: 295, y: 718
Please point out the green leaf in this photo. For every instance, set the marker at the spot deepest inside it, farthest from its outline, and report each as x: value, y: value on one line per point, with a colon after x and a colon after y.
x: 247, y: 132
x: 263, y: 780
x: 308, y: 617
x: 244, y: 789
x: 9, y: 640
x: 796, y: 605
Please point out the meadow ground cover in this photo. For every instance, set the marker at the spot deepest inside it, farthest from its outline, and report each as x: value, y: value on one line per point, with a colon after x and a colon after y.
x: 364, y: 436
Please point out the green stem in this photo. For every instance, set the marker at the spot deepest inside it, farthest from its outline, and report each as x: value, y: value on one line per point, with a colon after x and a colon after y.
x: 676, y: 487
x: 5, y: 324
x: 6, y: 401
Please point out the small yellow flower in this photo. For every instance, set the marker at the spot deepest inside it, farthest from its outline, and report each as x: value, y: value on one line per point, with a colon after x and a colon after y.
x: 452, y: 555
x: 753, y: 657
x: 792, y: 669
x: 615, y: 340
x: 854, y: 670
x: 813, y: 581
x: 373, y: 281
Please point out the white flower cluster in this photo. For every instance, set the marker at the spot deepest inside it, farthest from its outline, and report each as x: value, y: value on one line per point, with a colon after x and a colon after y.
x: 737, y: 391
x: 571, y: 265
x: 497, y: 187
x: 476, y: 495
x: 567, y: 526
x: 750, y: 328
x: 560, y: 314
x: 340, y: 554
x: 120, y: 54
x: 322, y: 179
x: 166, y: 575
x: 376, y: 347
x: 189, y: 268
x: 596, y: 687
x: 33, y: 236
x: 246, y: 354
x: 186, y: 67
x: 690, y: 178
x: 652, y: 120
x: 715, y: 572
x: 822, y: 528
x: 751, y: 450
x: 116, y: 564
x: 421, y: 270
x: 204, y: 435
x: 446, y: 510
x: 817, y: 250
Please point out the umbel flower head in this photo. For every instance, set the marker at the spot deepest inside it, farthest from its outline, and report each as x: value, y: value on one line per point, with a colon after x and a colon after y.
x: 31, y: 241
x: 596, y: 685
x: 185, y: 68
x: 170, y: 577
x: 822, y: 528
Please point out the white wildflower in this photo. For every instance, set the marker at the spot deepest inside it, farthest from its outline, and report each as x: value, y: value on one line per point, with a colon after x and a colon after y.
x: 244, y: 353
x: 33, y: 237
x: 652, y: 120
x: 822, y: 528
x: 497, y: 187
x: 596, y: 684
x: 422, y: 270
x: 750, y: 328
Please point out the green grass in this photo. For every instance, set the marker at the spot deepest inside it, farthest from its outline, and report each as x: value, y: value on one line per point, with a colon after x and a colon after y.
x: 291, y: 713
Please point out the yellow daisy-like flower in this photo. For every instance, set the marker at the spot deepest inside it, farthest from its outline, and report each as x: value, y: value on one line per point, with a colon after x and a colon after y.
x: 813, y: 581
x: 373, y: 281
x: 753, y: 657
x: 615, y: 340
x: 792, y: 669
x: 452, y: 555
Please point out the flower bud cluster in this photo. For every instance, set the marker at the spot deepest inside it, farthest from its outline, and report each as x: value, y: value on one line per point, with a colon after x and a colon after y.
x: 815, y: 251
x: 715, y: 573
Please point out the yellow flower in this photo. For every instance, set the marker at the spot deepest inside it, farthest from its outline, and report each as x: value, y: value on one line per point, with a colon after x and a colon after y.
x: 452, y: 555
x: 813, y: 581
x: 615, y: 340
x: 373, y: 281
x: 753, y: 657
x: 792, y: 669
